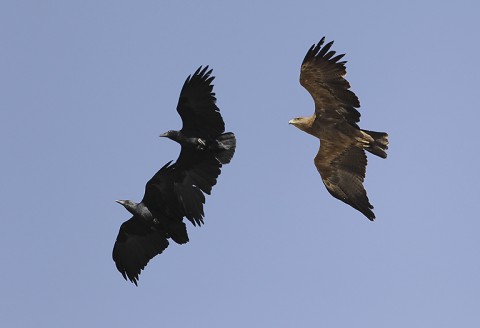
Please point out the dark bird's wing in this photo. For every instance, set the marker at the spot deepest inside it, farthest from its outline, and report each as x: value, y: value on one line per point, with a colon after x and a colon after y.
x: 159, y: 193
x: 322, y: 74
x: 136, y: 244
x: 200, y: 116
x: 342, y: 168
x: 195, y: 172
x: 175, y: 190
x: 165, y: 205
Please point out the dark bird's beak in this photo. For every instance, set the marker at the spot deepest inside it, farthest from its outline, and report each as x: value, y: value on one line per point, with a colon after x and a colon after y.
x: 121, y: 202
x: 164, y: 134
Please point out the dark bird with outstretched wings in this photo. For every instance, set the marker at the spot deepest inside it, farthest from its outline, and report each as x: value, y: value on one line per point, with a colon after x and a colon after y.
x: 177, y: 190
x: 341, y: 159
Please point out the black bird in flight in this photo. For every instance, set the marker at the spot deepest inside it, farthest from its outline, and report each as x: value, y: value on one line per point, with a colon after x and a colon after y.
x: 341, y: 159
x: 177, y: 190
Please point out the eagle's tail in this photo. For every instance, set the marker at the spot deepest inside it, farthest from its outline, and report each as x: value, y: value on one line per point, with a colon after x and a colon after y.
x: 226, y: 145
x: 379, y: 145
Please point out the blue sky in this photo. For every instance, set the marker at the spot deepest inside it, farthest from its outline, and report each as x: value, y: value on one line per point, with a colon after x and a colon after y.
x: 87, y: 87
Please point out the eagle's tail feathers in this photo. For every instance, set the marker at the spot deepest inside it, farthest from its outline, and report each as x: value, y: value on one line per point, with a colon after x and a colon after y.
x: 379, y: 145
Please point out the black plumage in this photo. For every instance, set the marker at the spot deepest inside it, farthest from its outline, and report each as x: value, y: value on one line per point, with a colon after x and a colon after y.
x: 177, y: 190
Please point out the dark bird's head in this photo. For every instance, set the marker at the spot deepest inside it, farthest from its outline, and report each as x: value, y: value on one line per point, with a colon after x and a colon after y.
x: 171, y: 134
x: 131, y: 206
x: 303, y: 123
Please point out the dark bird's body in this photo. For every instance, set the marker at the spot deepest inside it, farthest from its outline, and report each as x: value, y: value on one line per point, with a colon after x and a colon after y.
x: 177, y: 190
x: 341, y: 159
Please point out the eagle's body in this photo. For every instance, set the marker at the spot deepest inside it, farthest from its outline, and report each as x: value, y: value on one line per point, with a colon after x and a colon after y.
x: 341, y: 159
x: 177, y: 190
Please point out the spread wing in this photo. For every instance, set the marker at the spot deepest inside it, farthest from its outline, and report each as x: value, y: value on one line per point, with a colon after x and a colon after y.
x: 159, y: 195
x: 196, y: 172
x: 170, y: 196
x: 342, y: 168
x: 200, y: 115
x: 177, y: 190
x: 137, y: 243
x: 322, y: 74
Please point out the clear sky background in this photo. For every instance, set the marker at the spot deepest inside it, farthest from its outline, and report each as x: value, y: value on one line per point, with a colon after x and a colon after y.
x: 87, y: 87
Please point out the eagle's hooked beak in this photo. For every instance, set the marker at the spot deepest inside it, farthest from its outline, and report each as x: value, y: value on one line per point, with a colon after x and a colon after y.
x: 291, y: 121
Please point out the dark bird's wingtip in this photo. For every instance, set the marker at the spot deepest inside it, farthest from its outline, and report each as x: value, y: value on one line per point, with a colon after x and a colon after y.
x: 132, y: 278
x: 135, y: 281
x: 203, y: 71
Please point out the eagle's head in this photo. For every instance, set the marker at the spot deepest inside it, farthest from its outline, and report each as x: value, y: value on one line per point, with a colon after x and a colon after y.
x: 303, y: 123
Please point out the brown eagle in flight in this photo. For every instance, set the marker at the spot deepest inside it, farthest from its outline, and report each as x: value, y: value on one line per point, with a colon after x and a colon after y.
x: 341, y: 159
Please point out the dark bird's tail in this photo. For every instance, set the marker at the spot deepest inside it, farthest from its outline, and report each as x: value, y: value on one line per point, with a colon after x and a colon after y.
x: 379, y: 145
x: 226, y: 147
x: 178, y: 232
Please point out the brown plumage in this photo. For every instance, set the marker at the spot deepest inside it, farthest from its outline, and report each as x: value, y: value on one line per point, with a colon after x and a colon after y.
x: 341, y: 159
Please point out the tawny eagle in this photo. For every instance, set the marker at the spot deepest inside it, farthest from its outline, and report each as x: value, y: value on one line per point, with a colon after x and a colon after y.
x: 341, y: 159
